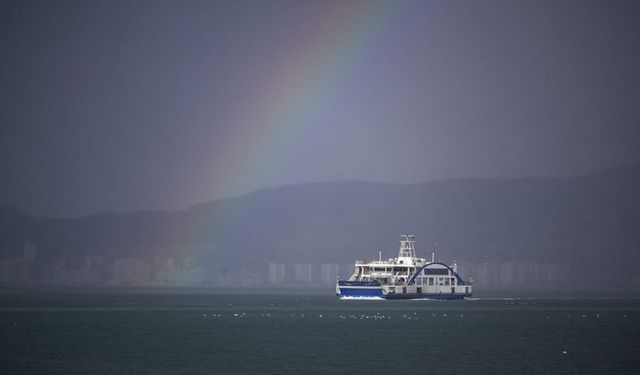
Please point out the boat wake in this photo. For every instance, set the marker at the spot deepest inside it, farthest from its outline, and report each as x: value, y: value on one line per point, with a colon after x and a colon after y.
x: 362, y: 298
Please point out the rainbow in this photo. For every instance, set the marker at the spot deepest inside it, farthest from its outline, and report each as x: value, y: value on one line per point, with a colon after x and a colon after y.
x: 325, y: 49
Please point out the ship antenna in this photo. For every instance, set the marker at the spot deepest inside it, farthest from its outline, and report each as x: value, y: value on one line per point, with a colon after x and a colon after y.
x: 433, y: 256
x: 380, y: 255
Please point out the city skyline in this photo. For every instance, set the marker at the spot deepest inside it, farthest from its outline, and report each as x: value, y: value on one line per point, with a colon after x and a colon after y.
x: 188, y: 271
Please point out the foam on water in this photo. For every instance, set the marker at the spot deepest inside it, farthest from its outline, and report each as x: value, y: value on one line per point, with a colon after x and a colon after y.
x: 362, y: 298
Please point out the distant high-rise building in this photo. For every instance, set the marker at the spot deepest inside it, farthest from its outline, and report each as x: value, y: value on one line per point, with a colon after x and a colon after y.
x: 328, y: 273
x: 276, y: 273
x: 29, y: 258
x: 6, y: 270
x: 302, y: 273
x: 131, y: 271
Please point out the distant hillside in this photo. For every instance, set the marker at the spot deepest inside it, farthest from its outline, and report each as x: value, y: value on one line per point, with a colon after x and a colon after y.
x: 588, y: 224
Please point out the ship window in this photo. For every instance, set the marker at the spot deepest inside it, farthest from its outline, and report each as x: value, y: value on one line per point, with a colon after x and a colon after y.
x: 446, y: 281
x: 419, y: 281
x: 453, y: 281
x: 431, y: 281
x: 466, y: 289
x: 404, y: 290
x: 419, y: 290
x: 436, y: 271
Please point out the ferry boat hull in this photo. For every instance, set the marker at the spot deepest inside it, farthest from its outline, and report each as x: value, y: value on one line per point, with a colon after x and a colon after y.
x: 440, y: 296
x: 355, y: 289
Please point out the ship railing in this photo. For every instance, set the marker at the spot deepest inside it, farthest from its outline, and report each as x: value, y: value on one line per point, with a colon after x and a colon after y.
x: 360, y: 261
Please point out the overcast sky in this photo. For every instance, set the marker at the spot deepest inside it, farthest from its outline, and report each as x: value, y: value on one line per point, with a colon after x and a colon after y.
x: 129, y: 105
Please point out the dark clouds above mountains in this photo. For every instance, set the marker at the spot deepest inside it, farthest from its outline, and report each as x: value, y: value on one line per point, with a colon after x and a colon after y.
x: 124, y: 105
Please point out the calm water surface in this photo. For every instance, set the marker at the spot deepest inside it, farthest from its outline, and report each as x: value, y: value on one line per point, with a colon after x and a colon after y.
x: 294, y: 334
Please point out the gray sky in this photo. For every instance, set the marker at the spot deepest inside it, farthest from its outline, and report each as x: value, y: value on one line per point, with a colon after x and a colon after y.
x: 128, y: 105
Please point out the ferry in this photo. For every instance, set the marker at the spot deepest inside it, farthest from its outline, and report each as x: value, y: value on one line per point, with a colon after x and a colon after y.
x: 405, y: 277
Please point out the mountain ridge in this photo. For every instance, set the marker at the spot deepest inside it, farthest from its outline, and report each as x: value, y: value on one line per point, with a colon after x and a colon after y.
x: 586, y: 221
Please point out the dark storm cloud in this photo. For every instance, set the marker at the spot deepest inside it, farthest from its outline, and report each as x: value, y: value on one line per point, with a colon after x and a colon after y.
x: 127, y: 105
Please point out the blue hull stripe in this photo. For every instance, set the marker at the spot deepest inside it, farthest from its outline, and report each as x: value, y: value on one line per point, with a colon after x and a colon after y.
x: 360, y: 292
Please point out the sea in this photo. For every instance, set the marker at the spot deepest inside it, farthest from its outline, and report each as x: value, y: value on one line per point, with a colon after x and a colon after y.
x: 295, y: 333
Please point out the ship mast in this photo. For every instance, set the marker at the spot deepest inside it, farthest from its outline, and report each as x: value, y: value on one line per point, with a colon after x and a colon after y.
x: 407, y: 246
